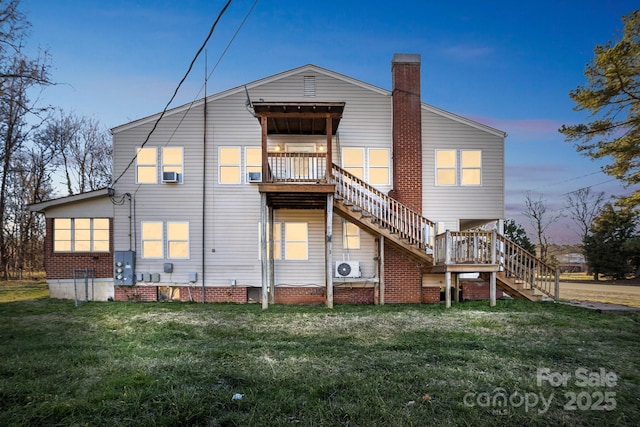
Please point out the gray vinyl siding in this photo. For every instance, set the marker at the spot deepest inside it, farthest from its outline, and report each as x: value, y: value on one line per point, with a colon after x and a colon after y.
x: 232, y: 212
x: 94, y: 208
x: 365, y: 255
x: 449, y: 204
x: 160, y: 201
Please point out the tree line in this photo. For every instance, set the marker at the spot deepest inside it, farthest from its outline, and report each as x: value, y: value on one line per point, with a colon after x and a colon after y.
x: 44, y: 151
x: 608, y: 229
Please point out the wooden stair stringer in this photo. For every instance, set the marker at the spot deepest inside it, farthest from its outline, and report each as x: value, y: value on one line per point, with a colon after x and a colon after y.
x: 411, y: 251
x: 514, y: 289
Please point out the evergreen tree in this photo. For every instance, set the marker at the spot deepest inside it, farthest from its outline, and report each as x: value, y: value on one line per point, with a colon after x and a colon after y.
x: 606, y: 248
x: 612, y: 97
x: 517, y: 234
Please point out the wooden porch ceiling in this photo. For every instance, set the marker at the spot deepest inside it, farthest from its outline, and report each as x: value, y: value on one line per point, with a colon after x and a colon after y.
x: 299, y: 118
x: 297, y: 196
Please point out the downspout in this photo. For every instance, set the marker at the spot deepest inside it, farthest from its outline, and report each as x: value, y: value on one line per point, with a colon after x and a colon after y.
x: 204, y: 174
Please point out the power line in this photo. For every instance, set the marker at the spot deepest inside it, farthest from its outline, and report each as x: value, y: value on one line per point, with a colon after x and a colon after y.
x: 175, y: 93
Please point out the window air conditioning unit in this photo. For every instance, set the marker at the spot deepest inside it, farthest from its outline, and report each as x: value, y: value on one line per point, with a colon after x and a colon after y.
x: 348, y: 269
x: 170, y: 177
x: 254, y: 176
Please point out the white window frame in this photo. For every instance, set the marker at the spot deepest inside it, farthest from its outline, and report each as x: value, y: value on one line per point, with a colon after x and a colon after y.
x: 277, y: 240
x: 454, y: 168
x: 346, y: 236
x: 463, y: 168
x: 238, y: 165
x: 370, y: 167
x: 187, y: 240
x: 155, y: 164
x: 305, y: 241
x: 251, y: 167
x: 362, y: 166
x: 173, y: 167
x: 143, y: 240
x: 72, y: 236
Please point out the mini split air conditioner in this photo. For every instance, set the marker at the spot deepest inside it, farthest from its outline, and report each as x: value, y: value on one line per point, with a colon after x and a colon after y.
x: 348, y: 269
x: 170, y: 177
x: 254, y: 176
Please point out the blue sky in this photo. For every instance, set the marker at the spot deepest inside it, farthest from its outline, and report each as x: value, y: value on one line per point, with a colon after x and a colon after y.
x: 507, y: 66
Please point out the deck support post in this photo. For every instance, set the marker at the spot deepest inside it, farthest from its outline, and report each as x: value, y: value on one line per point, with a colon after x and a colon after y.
x: 381, y: 270
x: 329, y: 150
x: 456, y: 296
x: 447, y: 289
x: 263, y: 251
x: 492, y: 288
x: 328, y: 246
x: 272, y: 263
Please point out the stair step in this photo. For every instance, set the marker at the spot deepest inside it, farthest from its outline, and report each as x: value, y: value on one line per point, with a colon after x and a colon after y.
x: 356, y: 209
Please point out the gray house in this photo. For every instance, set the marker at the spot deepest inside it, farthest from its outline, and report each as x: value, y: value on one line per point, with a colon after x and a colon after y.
x: 307, y: 186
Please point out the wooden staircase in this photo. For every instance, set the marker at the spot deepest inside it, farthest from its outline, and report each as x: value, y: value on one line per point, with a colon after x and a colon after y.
x: 380, y: 215
x: 518, y: 273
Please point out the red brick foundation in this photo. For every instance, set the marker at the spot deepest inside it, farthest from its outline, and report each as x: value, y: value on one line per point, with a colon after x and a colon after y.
x: 299, y: 295
x: 187, y: 293
x: 136, y: 293
x: 477, y: 290
x: 353, y: 295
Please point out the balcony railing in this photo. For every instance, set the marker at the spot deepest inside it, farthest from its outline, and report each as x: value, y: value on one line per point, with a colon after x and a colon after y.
x: 297, y: 167
x: 466, y: 247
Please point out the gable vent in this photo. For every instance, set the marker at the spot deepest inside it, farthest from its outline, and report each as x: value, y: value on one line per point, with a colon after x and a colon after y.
x: 309, y: 85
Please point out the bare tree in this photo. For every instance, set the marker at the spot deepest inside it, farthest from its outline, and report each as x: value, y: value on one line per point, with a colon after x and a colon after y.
x: 83, y: 151
x: 18, y: 76
x: 540, y: 218
x: 583, y: 206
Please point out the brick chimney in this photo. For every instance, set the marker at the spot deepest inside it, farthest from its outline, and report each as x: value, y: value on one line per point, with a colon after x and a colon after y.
x: 403, y: 278
x: 407, y: 131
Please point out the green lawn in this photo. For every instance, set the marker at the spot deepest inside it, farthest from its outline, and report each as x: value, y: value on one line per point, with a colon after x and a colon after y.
x: 171, y: 364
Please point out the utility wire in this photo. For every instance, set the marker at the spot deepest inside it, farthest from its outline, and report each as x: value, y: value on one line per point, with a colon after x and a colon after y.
x: 207, y: 77
x: 175, y: 93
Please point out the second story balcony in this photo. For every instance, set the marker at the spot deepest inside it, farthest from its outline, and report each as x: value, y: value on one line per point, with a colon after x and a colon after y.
x: 297, y: 172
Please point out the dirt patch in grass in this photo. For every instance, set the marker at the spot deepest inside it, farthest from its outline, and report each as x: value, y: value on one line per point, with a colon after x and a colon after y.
x: 610, y: 292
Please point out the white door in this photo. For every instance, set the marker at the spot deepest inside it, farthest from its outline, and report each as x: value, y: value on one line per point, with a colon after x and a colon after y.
x: 302, y: 167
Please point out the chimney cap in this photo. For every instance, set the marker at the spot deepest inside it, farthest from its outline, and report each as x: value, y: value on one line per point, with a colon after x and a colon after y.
x: 406, y: 58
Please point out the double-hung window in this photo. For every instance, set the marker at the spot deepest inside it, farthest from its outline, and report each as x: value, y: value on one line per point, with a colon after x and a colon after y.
x: 173, y: 161
x: 353, y: 161
x: 152, y: 239
x: 253, y: 160
x: 379, y: 166
x: 471, y: 167
x: 296, y: 240
x: 146, y: 165
x: 229, y: 165
x: 81, y: 235
x: 446, y: 167
x: 350, y: 235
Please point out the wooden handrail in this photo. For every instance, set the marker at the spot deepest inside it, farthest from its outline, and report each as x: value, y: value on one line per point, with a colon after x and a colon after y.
x: 488, y: 247
x: 408, y: 224
x: 521, y: 265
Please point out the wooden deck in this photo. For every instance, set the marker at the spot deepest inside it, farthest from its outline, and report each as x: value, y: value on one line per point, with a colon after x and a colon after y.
x: 303, y: 181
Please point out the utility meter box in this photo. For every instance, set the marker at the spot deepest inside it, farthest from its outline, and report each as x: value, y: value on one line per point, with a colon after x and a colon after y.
x: 124, y: 268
